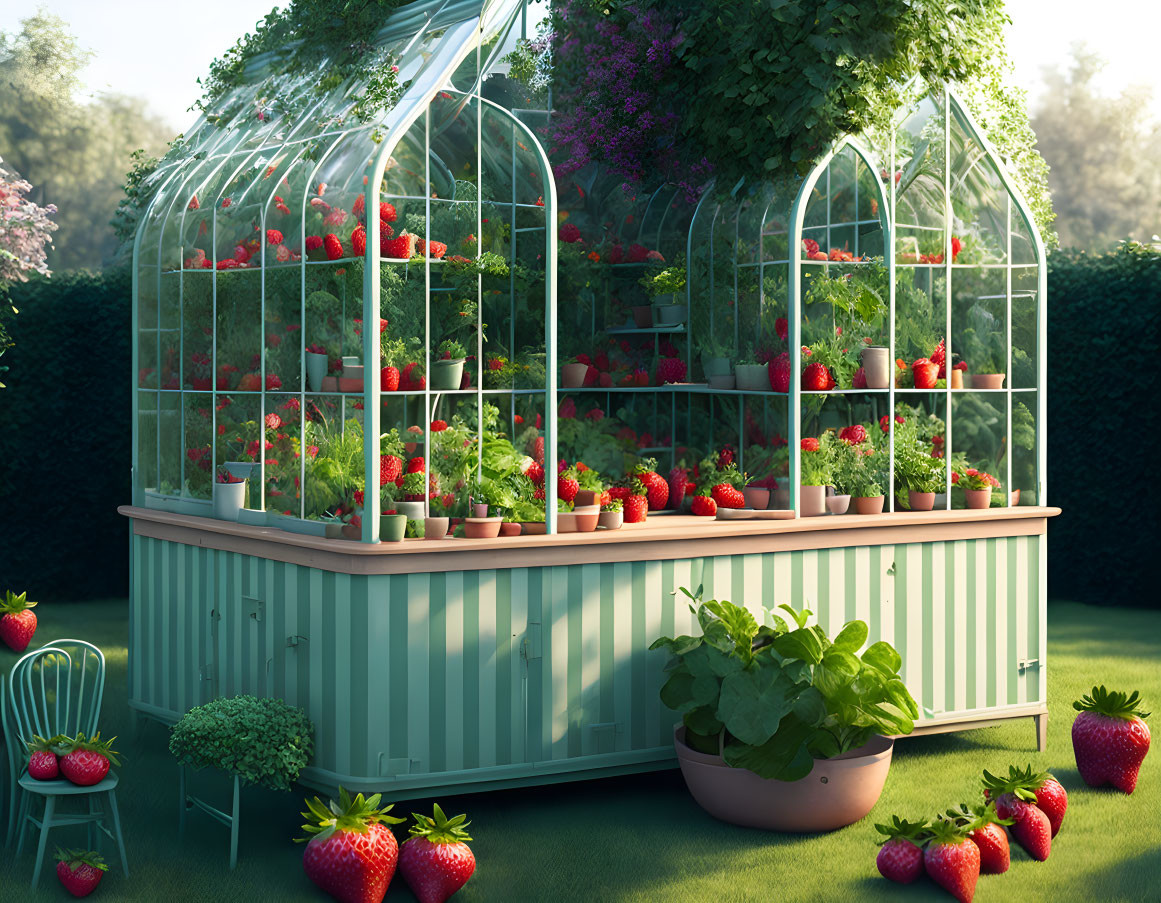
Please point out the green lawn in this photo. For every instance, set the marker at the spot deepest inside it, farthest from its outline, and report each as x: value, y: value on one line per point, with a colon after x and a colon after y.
x: 642, y: 838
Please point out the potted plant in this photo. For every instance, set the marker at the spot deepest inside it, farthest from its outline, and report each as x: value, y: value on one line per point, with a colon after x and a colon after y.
x: 479, y: 495
x: 782, y: 728
x: 317, y: 361
x: 984, y: 348
x: 749, y: 375
x: 664, y: 287
x: 572, y: 374
x: 612, y: 515
x: 757, y: 495
x: 816, y: 474
x: 917, y: 472
x: 414, y: 490
x: 392, y: 526
x: 847, y: 459
x: 447, y: 370
x: 716, y: 365
x: 435, y: 527
x: 866, y: 482
x: 229, y: 495
x: 977, y: 486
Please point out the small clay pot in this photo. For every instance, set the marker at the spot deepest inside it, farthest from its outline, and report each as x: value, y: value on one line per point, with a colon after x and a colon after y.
x: 978, y: 498
x: 838, y: 504
x: 920, y: 501
x: 813, y: 500
x: 435, y: 527
x: 479, y: 509
x: 482, y: 527
x: 579, y: 520
x: 876, y: 367
x: 757, y: 497
x: 643, y: 316
x: 872, y: 505
x: 585, y: 498
x: 350, y: 385
x: 987, y: 380
x: 572, y: 376
x: 392, y: 527
x: 957, y: 379
x: 1013, y: 498
x: 611, y: 520
x: 510, y: 529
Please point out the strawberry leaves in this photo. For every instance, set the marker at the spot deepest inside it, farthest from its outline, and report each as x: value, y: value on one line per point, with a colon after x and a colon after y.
x: 1111, y: 703
x: 358, y: 814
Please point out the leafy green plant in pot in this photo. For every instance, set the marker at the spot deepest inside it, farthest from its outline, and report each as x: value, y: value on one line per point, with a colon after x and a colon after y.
x: 984, y: 349
x: 667, y: 289
x: 447, y: 366
x: 816, y: 473
x: 716, y: 361
x: 783, y: 728
x: 866, y: 481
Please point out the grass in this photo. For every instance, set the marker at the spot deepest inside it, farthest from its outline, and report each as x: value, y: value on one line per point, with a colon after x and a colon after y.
x: 643, y: 838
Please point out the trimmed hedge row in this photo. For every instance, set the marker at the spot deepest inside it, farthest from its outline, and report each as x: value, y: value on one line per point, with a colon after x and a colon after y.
x: 65, y: 431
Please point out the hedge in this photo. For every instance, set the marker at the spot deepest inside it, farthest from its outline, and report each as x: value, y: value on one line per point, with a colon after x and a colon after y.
x: 65, y: 431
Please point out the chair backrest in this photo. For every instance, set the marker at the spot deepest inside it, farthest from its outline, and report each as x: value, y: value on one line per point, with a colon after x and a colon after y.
x: 57, y: 690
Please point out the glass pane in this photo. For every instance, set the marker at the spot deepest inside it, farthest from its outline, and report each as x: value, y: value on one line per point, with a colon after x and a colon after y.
x: 979, y: 440
x: 979, y: 325
x: 919, y: 186
x: 1025, y: 479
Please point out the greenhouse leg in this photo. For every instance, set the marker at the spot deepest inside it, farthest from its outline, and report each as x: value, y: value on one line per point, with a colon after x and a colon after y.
x: 1041, y: 731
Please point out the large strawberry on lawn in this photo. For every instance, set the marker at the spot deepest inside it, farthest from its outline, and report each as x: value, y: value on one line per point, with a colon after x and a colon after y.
x: 18, y: 621
x: 87, y: 761
x: 1030, y: 825
x: 983, y: 826
x: 435, y: 861
x: 1051, y: 797
x: 1110, y: 738
x: 901, y: 855
x: 352, y: 853
x: 80, y: 871
x: 952, y: 860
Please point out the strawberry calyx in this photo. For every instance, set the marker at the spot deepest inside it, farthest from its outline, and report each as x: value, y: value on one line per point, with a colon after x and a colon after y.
x: 92, y: 744
x: 358, y: 814
x: 14, y: 604
x: 975, y: 817
x: 59, y: 745
x: 438, y: 828
x: 1111, y: 703
x: 76, y: 858
x: 1021, y: 782
x: 945, y: 830
x: 645, y: 465
x: 914, y: 831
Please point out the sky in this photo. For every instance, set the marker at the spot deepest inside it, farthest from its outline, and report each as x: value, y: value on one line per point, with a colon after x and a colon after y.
x: 137, y: 51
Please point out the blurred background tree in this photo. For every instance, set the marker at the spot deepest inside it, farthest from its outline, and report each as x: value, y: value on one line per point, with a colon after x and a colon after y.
x: 74, y: 148
x: 1104, y: 153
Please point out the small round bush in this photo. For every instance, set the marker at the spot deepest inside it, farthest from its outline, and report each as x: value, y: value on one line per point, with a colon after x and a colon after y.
x: 263, y: 741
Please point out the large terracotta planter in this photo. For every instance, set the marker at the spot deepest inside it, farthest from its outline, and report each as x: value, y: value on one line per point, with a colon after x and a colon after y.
x: 978, y: 498
x: 813, y: 500
x: 757, y: 497
x: 873, y: 505
x: 482, y: 527
x: 987, y: 380
x: 572, y: 376
x: 836, y: 793
x: 920, y: 501
x: 876, y: 367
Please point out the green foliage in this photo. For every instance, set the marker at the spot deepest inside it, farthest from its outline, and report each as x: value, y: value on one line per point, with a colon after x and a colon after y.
x: 775, y: 697
x: 817, y: 467
x: 263, y: 741
x: 667, y: 281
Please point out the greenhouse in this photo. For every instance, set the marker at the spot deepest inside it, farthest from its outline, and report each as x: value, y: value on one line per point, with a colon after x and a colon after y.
x: 472, y: 422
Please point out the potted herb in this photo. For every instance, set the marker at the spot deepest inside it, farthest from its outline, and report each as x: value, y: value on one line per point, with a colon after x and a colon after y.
x: 782, y: 728
x: 917, y: 472
x: 848, y: 457
x: 572, y: 374
x: 612, y: 515
x: 317, y: 361
x: 479, y: 495
x: 749, y: 375
x: 229, y: 494
x: 414, y: 490
x: 663, y: 287
x: 447, y: 369
x: 817, y: 461
x: 984, y: 349
x: 716, y: 365
x: 977, y: 487
x: 866, y: 483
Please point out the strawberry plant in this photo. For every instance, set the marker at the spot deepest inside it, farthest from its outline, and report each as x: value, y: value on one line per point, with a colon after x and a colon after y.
x: 776, y: 696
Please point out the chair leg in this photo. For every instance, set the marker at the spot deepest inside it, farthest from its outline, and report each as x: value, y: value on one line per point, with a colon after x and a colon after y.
x: 234, y: 819
x: 45, y: 827
x: 94, y: 836
x: 22, y: 822
x: 181, y: 802
x: 14, y: 802
x: 117, y: 830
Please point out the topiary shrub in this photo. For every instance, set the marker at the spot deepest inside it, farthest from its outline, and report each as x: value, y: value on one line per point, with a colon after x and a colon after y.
x: 262, y: 741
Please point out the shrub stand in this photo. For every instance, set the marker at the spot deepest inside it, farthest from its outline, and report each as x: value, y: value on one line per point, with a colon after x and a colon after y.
x: 233, y: 820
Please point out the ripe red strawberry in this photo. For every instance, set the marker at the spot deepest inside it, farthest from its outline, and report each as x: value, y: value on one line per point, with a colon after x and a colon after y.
x: 1047, y: 792
x: 401, y: 248
x: 1030, y: 827
x: 87, y: 761
x: 727, y: 496
x: 537, y: 449
x: 415, y: 465
x: 332, y: 246
x: 670, y: 370
x: 952, y: 861
x: 435, y: 861
x: 437, y: 248
x: 779, y: 372
x: 359, y: 241
x: 816, y: 378
x: 18, y: 621
x: 273, y: 236
x: 656, y: 487
x: 636, y: 506
x: 566, y: 485
x: 900, y: 857
x: 43, y: 757
x: 925, y: 373
x: 80, y: 871
x: 385, y: 235
x: 535, y: 473
x: 1110, y: 738
x: 620, y: 492
x: 704, y: 506
x: 539, y: 493
x: 389, y: 379
x: 390, y: 469
x: 983, y: 826
x: 386, y: 212
x: 353, y: 853
x: 678, y: 477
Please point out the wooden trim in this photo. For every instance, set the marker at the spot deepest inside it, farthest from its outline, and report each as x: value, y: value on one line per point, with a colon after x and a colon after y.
x: 661, y: 538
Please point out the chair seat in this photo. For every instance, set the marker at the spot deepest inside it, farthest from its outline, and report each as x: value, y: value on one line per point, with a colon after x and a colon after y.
x: 66, y: 788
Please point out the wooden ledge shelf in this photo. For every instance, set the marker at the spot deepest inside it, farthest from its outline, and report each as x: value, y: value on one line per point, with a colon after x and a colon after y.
x: 660, y: 538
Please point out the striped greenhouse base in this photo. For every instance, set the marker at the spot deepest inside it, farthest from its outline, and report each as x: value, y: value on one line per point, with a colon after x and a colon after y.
x: 523, y: 675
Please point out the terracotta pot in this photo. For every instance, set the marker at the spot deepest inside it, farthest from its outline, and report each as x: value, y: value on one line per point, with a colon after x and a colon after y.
x: 533, y: 528
x: 507, y: 529
x: 353, y: 371
x: 572, y: 376
x: 350, y: 385
x: 479, y: 509
x: 978, y: 498
x: 392, y: 527
x: 435, y: 527
x: 957, y: 379
x: 586, y: 498
x: 837, y: 792
x: 1013, y: 498
x: 330, y: 384
x: 757, y: 497
x: 813, y: 500
x: 752, y: 377
x: 920, y: 501
x: 482, y: 527
x: 987, y: 380
x: 838, y: 504
x: 877, y: 367
x: 579, y: 520
x: 872, y: 505
x: 643, y: 316
x: 611, y: 520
